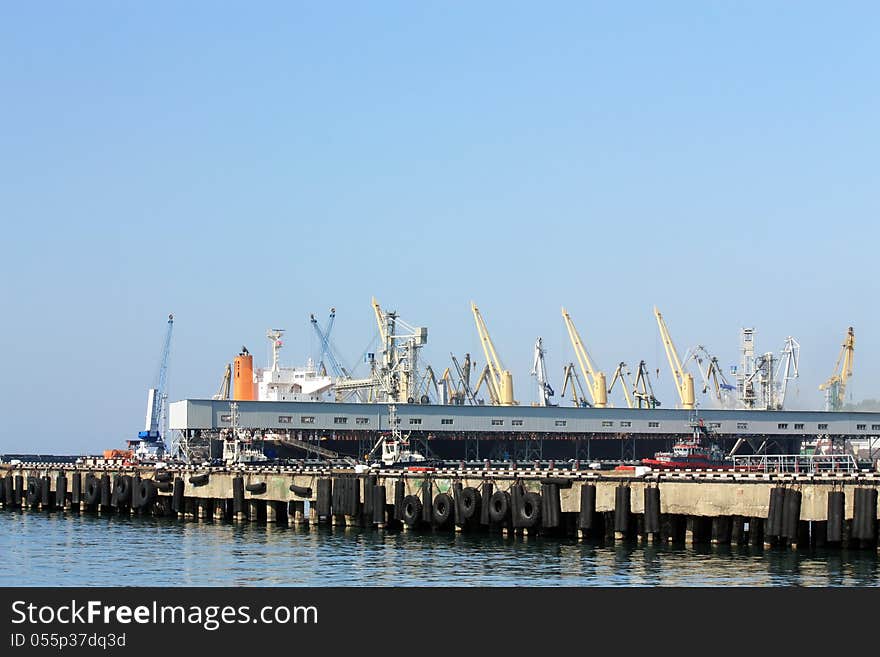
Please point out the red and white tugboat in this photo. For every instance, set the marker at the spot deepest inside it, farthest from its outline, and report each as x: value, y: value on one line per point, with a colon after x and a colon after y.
x: 694, y: 452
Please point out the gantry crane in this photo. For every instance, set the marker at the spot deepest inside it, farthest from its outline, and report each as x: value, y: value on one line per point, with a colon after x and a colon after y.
x: 539, y: 371
x: 684, y: 382
x: 787, y: 370
x: 499, y: 380
x: 835, y: 386
x: 595, y: 379
x: 570, y: 379
x: 622, y: 374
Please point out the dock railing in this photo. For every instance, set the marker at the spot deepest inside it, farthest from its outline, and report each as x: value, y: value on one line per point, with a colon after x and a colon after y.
x: 796, y: 463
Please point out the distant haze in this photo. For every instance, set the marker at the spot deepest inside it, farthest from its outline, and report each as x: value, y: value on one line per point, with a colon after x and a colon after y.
x: 244, y: 167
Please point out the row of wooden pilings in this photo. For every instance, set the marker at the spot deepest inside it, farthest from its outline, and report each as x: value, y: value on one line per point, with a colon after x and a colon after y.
x: 506, y: 507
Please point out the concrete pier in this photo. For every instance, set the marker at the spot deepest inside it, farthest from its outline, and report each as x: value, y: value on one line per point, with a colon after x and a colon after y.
x: 695, y: 507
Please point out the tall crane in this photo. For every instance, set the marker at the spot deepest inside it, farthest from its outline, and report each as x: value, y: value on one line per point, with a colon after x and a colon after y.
x: 622, y: 374
x: 787, y: 370
x: 835, y: 386
x: 499, y: 380
x: 223, y: 392
x: 570, y: 379
x: 156, y: 423
x: 595, y: 379
x: 463, y: 390
x: 328, y: 357
x: 684, y: 381
x: 539, y: 371
x: 711, y: 373
x: 643, y: 391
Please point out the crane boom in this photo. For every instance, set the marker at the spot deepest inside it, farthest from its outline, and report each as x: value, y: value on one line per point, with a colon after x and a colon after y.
x: 684, y: 382
x: 835, y: 386
x: 539, y: 371
x: 500, y: 380
x: 621, y: 373
x: 595, y: 379
x: 157, y: 397
x: 327, y: 355
x: 570, y: 378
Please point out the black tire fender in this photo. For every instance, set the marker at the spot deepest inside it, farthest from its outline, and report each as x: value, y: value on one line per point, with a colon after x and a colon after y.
x: 412, y: 510
x: 443, y: 509
x: 499, y: 506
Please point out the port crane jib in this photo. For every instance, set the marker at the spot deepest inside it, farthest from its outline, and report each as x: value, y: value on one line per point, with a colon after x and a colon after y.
x: 595, y: 379
x: 835, y: 386
x: 539, y: 371
x: 498, y: 379
x: 621, y: 373
x: 684, y: 381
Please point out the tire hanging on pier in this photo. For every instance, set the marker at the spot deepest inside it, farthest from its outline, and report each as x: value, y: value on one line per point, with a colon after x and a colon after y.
x: 198, y: 480
x: 586, y: 517
x: 33, y: 491
x: 486, y: 494
x: 550, y: 505
x: 164, y: 486
x: 427, y: 506
x: 301, y: 491
x: 378, y: 504
x: 177, y: 504
x: 559, y: 482
x: 257, y: 488
x: 399, y: 494
x: 93, y: 490
x: 530, y: 510
x: 412, y: 510
x: 470, y: 503
x: 147, y: 493
x: 775, y: 512
x: 237, y: 495
x: 443, y: 509
x: 870, y: 526
x: 499, y: 506
x: 864, y: 513
x: 163, y: 475
x: 836, y: 506
x: 621, y: 508
x: 325, y: 491
x: 123, y: 490
x: 652, y: 510
x: 791, y: 514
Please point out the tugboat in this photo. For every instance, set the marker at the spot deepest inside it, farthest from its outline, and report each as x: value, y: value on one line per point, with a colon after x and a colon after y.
x: 396, y: 451
x: 692, y: 453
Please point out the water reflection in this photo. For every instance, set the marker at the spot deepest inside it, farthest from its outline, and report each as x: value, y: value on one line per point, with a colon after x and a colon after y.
x: 73, y: 550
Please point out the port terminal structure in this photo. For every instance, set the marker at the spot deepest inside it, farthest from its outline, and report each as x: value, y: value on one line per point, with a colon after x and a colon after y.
x: 830, y: 509
x: 511, y: 433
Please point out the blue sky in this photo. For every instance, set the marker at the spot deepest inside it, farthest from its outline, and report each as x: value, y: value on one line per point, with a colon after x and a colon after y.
x: 243, y: 165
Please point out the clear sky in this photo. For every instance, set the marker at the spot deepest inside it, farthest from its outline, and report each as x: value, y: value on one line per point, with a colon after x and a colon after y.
x: 245, y: 164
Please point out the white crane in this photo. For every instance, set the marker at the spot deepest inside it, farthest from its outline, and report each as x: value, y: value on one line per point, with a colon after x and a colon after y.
x: 539, y: 371
x: 787, y: 370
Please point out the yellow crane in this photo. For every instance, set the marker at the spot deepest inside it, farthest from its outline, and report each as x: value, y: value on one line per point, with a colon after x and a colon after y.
x: 835, y: 386
x: 595, y: 380
x: 498, y: 379
x: 684, y: 382
x: 621, y: 374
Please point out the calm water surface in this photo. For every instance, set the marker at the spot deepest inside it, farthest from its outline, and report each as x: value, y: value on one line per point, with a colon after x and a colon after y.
x: 74, y: 550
